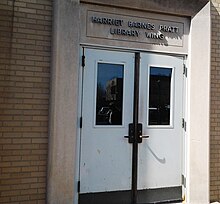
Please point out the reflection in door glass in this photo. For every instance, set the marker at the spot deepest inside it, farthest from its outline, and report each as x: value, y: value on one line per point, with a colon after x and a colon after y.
x: 109, y: 98
x: 159, y: 96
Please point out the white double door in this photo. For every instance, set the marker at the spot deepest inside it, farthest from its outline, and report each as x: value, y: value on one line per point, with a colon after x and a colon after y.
x: 107, y: 111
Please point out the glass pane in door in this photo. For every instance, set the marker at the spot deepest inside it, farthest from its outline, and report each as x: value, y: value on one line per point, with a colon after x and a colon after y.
x: 160, y: 96
x: 109, y: 97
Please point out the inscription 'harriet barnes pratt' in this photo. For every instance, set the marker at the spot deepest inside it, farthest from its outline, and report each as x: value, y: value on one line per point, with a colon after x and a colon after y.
x: 133, y: 29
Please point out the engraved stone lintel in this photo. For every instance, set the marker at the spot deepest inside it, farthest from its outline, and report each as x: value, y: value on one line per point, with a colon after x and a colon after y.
x: 134, y: 29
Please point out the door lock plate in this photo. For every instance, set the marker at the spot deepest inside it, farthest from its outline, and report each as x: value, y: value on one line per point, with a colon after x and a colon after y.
x: 131, y: 133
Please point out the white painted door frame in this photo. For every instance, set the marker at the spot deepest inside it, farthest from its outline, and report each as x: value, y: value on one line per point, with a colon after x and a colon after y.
x: 81, y: 89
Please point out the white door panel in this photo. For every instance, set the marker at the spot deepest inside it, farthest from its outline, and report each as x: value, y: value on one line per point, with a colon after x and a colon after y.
x: 160, y: 155
x: 105, y: 153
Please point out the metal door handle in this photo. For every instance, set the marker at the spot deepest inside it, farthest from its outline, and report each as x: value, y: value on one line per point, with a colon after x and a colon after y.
x: 128, y: 137
x: 131, y: 137
x: 144, y: 136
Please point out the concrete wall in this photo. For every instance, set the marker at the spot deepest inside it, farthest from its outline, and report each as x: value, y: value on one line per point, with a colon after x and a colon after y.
x: 198, y: 108
x: 24, y: 89
x: 63, y: 103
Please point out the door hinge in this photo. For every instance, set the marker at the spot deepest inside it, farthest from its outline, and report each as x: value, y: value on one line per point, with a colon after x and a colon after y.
x: 184, y: 70
x: 80, y: 122
x: 83, y: 60
x: 184, y: 181
x: 184, y: 124
x: 78, y: 186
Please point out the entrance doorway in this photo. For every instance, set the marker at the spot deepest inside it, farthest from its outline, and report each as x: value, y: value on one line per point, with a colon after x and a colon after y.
x: 131, y: 136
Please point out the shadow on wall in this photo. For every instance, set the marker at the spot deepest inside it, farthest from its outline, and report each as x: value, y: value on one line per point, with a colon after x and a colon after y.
x: 6, y: 34
x: 215, y: 106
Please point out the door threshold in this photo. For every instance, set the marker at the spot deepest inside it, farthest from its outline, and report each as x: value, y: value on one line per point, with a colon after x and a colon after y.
x: 164, y: 201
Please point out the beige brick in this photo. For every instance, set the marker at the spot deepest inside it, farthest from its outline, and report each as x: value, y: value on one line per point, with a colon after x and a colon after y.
x: 30, y: 146
x: 39, y: 163
x: 11, y: 169
x: 38, y: 196
x: 20, y: 186
x: 39, y: 152
x: 20, y: 198
x: 31, y: 1
x: 30, y: 157
x: 21, y: 141
x: 4, y: 177
x: 4, y: 188
x: 40, y: 140
x: 40, y: 118
x: 4, y: 199
x: 24, y: 84
x: 20, y: 163
x: 35, y: 6
x: 26, y: 10
x: 10, y: 193
x: 41, y: 201
x: 38, y: 185
x: 42, y: 190
x: 5, y: 141
x: 20, y: 175
x: 28, y: 191
x: 5, y: 164
x: 28, y: 202
x: 34, y: 16
x: 42, y: 168
x: 29, y: 169
x: 29, y: 180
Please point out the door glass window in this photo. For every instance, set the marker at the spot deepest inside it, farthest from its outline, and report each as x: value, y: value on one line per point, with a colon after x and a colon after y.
x: 159, y: 112
x: 109, y: 97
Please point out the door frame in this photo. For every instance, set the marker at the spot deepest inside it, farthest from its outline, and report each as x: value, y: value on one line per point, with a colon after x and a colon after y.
x: 80, y: 102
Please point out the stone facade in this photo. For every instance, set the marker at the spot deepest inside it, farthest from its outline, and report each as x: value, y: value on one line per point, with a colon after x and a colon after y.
x: 25, y: 50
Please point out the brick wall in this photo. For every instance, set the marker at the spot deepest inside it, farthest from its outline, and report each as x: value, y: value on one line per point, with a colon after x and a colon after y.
x: 215, y: 104
x: 24, y: 90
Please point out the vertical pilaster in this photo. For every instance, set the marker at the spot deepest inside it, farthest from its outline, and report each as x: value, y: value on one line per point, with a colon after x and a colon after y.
x: 199, y: 108
x: 63, y: 102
